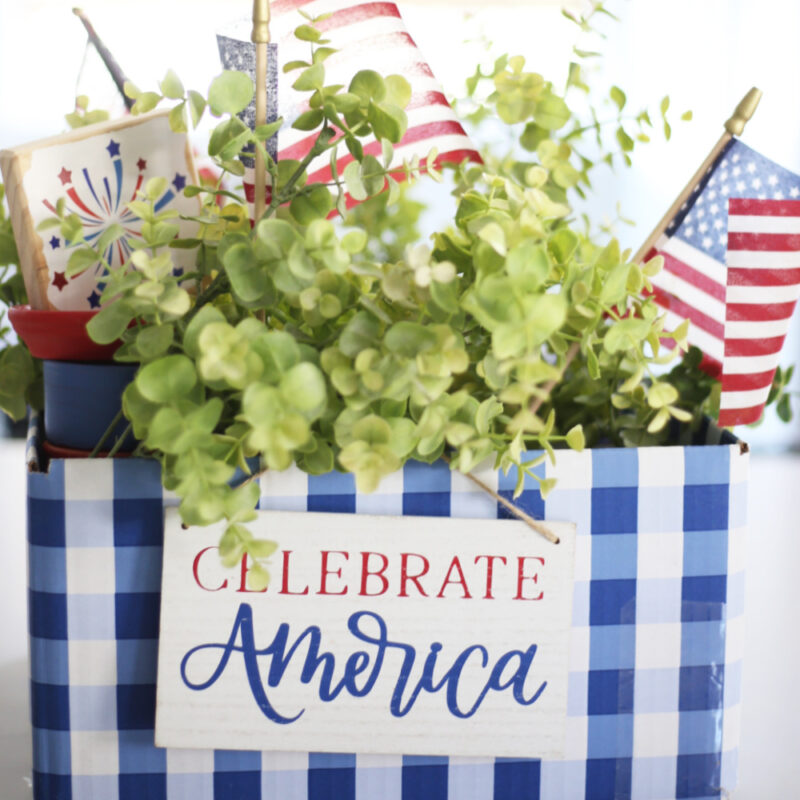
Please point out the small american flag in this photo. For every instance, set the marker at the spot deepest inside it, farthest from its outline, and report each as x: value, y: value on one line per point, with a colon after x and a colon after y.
x: 367, y: 35
x: 693, y: 283
x: 763, y: 286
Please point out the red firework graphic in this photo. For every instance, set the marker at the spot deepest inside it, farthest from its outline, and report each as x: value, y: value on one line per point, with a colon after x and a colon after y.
x: 100, y: 203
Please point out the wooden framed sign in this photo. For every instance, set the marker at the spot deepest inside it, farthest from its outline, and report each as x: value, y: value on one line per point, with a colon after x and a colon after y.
x: 98, y: 170
x: 415, y: 635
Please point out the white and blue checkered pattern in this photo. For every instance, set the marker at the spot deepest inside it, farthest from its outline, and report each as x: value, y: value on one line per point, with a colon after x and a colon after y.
x: 655, y: 669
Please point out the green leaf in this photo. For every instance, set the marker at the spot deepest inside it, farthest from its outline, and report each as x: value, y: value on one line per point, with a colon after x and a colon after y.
x: 81, y: 259
x: 309, y: 120
x: 368, y: 85
x: 178, y: 121
x: 265, y: 132
x: 248, y: 280
x: 305, y: 33
x: 625, y: 141
x: 618, y: 97
x: 409, y: 338
x: 166, y: 380
x: 310, y: 79
x: 576, y: 439
x: 230, y: 93
x: 290, y: 66
x: 228, y: 138
x: 352, y: 179
x: 313, y: 204
x: 153, y: 341
x: 614, y: 284
x: 110, y: 322
x: 354, y: 241
x: 359, y: 334
x: 388, y: 121
x: 661, y: 394
x: 398, y: 90
x: 551, y: 113
x: 197, y: 105
x: 203, y: 317
x: 304, y: 388
x: 108, y: 236
x: 171, y: 86
x: 145, y: 102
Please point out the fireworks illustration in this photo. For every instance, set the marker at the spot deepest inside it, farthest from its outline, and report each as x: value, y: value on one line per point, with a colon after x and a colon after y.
x: 100, y: 201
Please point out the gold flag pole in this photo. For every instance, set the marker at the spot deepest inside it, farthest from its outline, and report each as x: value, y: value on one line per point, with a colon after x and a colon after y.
x: 260, y: 38
x: 733, y: 127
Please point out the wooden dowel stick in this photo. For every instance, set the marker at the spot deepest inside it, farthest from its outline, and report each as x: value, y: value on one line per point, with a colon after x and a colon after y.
x: 733, y: 127
x: 117, y: 75
x: 261, y: 38
x: 261, y: 119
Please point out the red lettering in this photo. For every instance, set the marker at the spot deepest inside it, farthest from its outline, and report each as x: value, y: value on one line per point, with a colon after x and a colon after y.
x: 455, y: 564
x: 405, y: 576
x: 490, y: 572
x: 324, y: 572
x: 243, y: 581
x: 285, y: 581
x: 196, y: 571
x: 367, y: 573
x: 522, y: 577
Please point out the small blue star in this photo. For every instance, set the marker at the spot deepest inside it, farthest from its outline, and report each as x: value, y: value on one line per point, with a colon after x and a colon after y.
x: 55, y: 242
x: 113, y: 148
x: 179, y: 182
x: 94, y: 300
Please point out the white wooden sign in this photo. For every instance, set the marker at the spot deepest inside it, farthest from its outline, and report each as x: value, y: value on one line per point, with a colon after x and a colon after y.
x: 415, y: 635
x: 97, y: 170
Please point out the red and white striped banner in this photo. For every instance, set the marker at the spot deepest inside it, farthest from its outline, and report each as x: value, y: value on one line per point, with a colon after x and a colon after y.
x: 763, y: 285
x: 367, y: 35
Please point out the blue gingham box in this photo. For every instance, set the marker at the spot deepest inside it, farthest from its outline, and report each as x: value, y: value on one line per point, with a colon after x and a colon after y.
x: 655, y: 659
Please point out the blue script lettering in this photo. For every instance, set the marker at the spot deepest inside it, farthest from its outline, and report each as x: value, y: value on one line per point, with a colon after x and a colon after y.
x: 361, y: 671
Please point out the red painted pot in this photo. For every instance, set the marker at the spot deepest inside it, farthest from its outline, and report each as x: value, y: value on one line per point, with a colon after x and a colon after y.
x: 58, y: 335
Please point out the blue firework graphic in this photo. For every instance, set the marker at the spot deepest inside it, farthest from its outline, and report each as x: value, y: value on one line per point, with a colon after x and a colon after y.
x: 100, y: 202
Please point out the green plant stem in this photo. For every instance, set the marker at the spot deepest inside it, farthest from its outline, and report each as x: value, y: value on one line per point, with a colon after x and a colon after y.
x: 108, y: 431
x: 218, y: 286
x: 118, y: 444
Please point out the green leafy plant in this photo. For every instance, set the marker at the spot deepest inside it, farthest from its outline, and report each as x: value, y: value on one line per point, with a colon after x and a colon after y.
x: 346, y: 343
x: 20, y: 374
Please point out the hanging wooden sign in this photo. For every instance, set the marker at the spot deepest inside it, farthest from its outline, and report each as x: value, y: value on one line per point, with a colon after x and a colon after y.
x: 415, y: 635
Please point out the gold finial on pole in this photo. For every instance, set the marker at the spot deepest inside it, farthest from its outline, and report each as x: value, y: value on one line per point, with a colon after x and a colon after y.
x: 260, y: 22
x: 733, y: 127
x: 744, y: 111
x: 260, y: 37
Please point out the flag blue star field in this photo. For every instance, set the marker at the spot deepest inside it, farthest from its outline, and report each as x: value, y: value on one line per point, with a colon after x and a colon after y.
x: 693, y: 283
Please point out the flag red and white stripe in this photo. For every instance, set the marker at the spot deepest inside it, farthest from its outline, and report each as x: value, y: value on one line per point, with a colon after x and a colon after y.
x: 692, y: 286
x: 763, y: 285
x: 369, y: 35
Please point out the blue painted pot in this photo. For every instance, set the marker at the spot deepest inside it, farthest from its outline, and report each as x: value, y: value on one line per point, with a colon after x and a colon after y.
x: 81, y: 400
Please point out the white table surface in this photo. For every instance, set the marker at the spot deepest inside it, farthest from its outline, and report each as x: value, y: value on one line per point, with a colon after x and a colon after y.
x: 769, y: 766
